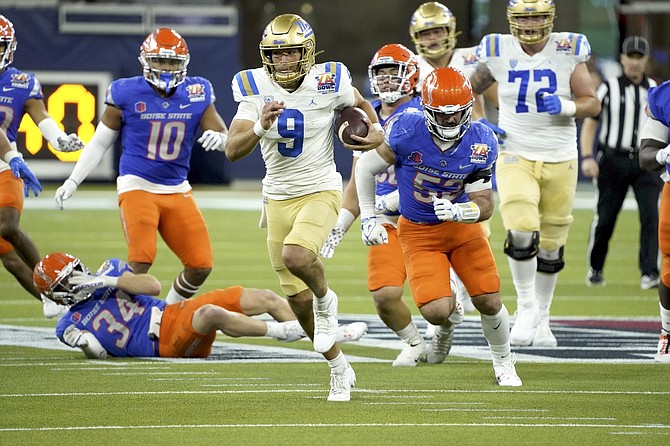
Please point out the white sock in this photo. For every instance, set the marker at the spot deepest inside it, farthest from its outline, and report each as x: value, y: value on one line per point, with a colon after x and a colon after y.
x: 496, y: 336
x: 323, y: 302
x: 500, y: 352
x: 523, y: 276
x: 410, y: 335
x: 339, y: 364
x: 174, y: 296
x: 545, y: 285
x: 665, y: 319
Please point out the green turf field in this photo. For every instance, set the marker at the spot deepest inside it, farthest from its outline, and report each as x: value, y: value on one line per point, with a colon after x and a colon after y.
x: 52, y: 396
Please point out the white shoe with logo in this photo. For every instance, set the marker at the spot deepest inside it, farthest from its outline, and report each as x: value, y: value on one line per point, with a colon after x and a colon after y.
x: 410, y: 355
x: 506, y: 372
x: 341, y: 384
x: 525, y: 326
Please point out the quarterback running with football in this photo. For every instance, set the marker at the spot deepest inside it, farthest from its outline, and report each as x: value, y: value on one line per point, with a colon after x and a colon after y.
x: 158, y: 115
x: 21, y: 94
x: 543, y: 85
x: 288, y: 107
x: 443, y: 165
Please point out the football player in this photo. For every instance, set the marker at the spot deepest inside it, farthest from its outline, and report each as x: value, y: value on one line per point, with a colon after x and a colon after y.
x: 543, y: 85
x: 158, y: 115
x: 288, y: 107
x: 393, y: 74
x: 655, y: 157
x: 21, y: 94
x: 112, y: 312
x: 432, y: 28
x: 443, y: 167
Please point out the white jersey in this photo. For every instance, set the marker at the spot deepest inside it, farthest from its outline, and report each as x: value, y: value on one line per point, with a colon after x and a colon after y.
x: 298, y: 148
x: 522, y: 80
x: 464, y: 59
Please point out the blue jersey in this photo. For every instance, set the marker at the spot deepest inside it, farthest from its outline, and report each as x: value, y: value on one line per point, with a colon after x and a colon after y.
x: 16, y: 87
x: 386, y: 181
x: 118, y: 320
x: 159, y: 132
x: 659, y: 105
x: 424, y: 170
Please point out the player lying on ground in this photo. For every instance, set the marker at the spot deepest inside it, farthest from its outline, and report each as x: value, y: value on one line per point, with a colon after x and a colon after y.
x: 112, y: 312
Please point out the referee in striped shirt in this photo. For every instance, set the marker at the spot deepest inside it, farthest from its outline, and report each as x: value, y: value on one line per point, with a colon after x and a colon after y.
x: 615, y: 166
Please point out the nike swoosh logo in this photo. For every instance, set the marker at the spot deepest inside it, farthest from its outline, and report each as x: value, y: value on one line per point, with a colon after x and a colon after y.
x: 7, y: 88
x: 414, y: 345
x: 183, y: 106
x: 464, y: 166
x: 497, y: 326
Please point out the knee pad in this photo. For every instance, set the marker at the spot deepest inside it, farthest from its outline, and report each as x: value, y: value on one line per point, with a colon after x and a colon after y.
x: 521, y: 252
x: 551, y: 266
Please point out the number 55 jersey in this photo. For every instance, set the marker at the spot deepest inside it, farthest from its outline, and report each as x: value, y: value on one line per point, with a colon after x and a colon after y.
x: 523, y: 80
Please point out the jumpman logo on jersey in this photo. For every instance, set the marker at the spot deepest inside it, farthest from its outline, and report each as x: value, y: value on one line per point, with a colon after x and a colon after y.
x: 311, y: 101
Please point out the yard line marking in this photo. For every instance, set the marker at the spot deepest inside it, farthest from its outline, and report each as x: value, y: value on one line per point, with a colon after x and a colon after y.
x: 552, y: 418
x: 256, y: 426
x: 357, y: 390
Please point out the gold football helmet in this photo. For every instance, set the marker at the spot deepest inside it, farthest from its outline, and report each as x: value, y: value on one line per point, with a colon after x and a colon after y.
x: 522, y: 14
x: 432, y: 15
x: 288, y: 31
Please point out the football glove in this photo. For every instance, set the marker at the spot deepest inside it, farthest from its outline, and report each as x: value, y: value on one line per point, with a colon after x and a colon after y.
x: 334, y: 238
x: 663, y: 156
x: 387, y: 203
x: 557, y: 106
x: 74, y: 337
x: 373, y: 233
x: 30, y: 181
x: 212, y: 140
x: 71, y: 143
x: 88, y: 282
x: 64, y: 192
x: 458, y: 212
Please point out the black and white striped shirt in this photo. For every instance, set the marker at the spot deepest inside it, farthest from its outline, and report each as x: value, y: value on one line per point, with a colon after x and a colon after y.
x: 622, y: 114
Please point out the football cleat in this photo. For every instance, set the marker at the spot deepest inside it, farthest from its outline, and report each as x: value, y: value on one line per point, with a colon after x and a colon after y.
x: 439, y: 346
x: 506, y: 373
x: 325, y: 322
x: 525, y: 326
x: 543, y: 336
x: 662, y: 354
x: 410, y: 355
x: 341, y: 384
x: 351, y: 332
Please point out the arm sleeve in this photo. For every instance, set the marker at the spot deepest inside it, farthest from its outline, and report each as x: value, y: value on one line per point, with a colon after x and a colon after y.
x: 51, y: 131
x: 368, y: 165
x: 92, y: 154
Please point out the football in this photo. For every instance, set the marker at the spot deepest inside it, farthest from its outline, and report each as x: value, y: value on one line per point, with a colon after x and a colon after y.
x: 350, y: 121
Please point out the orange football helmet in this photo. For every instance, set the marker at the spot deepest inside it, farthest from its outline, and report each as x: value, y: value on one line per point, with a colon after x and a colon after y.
x: 8, y: 38
x: 431, y: 15
x: 447, y: 100
x: 391, y: 87
x: 164, y: 57
x: 51, y: 278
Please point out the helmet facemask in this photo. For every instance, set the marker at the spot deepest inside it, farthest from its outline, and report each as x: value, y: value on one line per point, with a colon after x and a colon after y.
x: 8, y: 38
x: 288, y: 32
x: 52, y: 278
x: 531, y: 21
x: 164, y: 57
x: 447, y: 94
x: 429, y: 16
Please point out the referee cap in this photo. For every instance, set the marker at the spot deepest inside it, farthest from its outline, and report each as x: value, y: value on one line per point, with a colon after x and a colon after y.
x: 635, y: 44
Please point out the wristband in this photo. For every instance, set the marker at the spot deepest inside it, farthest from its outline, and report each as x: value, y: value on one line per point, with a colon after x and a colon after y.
x: 109, y: 281
x: 345, y: 219
x: 259, y: 130
x: 469, y: 211
x: 74, y: 181
x: 11, y: 155
x: 377, y: 126
x: 568, y: 108
x: 587, y: 157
